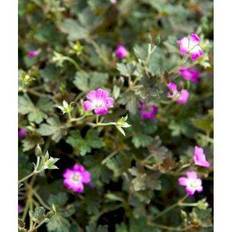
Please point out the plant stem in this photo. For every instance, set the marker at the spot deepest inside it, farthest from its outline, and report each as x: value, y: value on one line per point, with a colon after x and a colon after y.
x: 188, y: 204
x: 26, y: 177
x: 178, y: 203
x: 97, y: 119
x: 72, y: 62
x: 166, y: 210
x: 109, y: 157
x: 170, y: 227
x: 77, y: 119
x: 40, y: 224
x: 41, y: 200
x: 104, y: 124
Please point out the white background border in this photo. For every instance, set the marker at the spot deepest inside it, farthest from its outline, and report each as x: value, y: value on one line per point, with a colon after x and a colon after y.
x: 223, y: 116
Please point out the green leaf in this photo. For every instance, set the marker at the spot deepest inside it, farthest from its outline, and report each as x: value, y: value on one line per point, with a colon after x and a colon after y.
x: 58, y: 200
x: 24, y: 165
x: 58, y: 223
x: 84, y: 145
x: 142, y: 140
x: 74, y: 30
x: 157, y: 62
x: 52, y: 128
x: 204, y: 123
x: 38, y: 214
x: 127, y: 69
x: 119, y: 163
x: 140, y: 224
x: 88, y: 81
x: 45, y: 105
x: 144, y: 52
x: 95, y: 228
x: 144, y: 181
x: 26, y: 107
x: 121, y: 228
x: 31, y: 141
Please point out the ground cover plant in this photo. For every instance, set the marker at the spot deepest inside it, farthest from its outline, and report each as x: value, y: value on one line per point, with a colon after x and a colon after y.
x: 115, y: 115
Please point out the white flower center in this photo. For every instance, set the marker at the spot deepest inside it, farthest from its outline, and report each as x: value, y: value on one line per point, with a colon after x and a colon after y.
x: 98, y: 103
x: 76, y: 177
x: 194, y: 184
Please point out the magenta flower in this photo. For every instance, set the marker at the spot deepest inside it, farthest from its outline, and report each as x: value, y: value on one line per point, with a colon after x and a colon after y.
x: 181, y: 97
x: 190, y: 45
x: 22, y: 133
x: 190, y: 74
x: 121, y: 52
x: 33, y: 53
x: 192, y: 183
x: 199, y: 157
x: 99, y: 101
x: 148, y: 111
x: 76, y: 177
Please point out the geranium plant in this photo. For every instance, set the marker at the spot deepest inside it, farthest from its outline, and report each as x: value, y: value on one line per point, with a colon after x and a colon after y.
x: 115, y: 116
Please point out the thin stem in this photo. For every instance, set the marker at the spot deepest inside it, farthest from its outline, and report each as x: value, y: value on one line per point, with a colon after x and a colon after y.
x: 33, y: 92
x: 109, y: 157
x: 25, y: 210
x: 103, y: 124
x: 188, y: 204
x: 72, y: 62
x: 31, y: 208
x: 166, y: 210
x: 170, y: 208
x: 27, y: 177
x: 40, y: 224
x: 41, y: 200
x: 183, y: 167
x: 97, y: 119
x: 170, y: 227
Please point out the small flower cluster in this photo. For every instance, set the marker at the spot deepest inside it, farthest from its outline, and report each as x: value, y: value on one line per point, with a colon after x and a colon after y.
x: 191, y: 181
x: 99, y: 101
x: 189, y: 46
x: 181, y: 97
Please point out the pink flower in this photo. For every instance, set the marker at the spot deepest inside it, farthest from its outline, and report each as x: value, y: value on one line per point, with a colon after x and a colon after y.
x: 181, y: 97
x: 121, y: 52
x: 190, y: 74
x: 148, y: 111
x: 99, y: 101
x: 22, y: 133
x: 33, y: 53
x: 192, y: 183
x: 190, y: 45
x: 76, y: 177
x: 199, y: 157
x: 113, y: 1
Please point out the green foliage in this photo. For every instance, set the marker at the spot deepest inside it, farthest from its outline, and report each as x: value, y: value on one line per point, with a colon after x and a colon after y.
x: 36, y: 113
x: 88, y: 81
x: 53, y: 128
x: 57, y: 223
x: 134, y: 163
x: 82, y: 145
